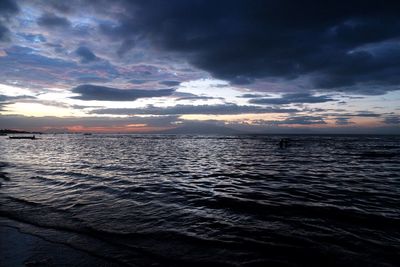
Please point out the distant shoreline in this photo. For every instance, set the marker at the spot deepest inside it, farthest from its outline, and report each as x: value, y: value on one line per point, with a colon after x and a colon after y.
x: 10, y: 131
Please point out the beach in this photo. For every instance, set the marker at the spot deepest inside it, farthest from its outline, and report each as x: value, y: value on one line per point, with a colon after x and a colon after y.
x: 19, y: 248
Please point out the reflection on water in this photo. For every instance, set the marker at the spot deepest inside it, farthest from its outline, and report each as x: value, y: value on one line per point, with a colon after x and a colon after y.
x: 174, y: 200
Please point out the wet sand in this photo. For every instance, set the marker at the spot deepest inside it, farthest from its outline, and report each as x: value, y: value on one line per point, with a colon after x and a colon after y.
x: 18, y: 248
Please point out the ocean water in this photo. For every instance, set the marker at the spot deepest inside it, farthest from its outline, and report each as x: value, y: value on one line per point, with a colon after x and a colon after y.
x: 165, y: 200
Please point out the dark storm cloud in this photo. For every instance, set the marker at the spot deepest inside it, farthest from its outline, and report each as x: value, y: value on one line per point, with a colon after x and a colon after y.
x: 292, y: 98
x: 170, y: 83
x: 85, y: 54
x: 252, y: 96
x: 52, y: 21
x: 343, y: 121
x: 392, y: 119
x: 7, y: 9
x: 366, y: 114
x: 126, y: 45
x: 102, y: 93
x: 4, y: 33
x: 242, y: 41
x: 60, y: 6
x: 295, y: 119
x: 225, y: 109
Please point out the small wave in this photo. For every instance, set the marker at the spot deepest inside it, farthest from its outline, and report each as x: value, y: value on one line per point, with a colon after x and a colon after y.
x: 3, y: 175
x: 204, y: 200
x: 379, y: 154
x: 24, y: 201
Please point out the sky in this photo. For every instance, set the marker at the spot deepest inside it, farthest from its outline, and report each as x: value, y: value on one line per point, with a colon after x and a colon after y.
x: 151, y: 66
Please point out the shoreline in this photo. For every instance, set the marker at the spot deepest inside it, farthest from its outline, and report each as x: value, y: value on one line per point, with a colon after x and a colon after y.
x: 19, y: 248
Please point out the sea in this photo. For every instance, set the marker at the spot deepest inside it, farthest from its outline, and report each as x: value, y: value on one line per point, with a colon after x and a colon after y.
x: 203, y: 200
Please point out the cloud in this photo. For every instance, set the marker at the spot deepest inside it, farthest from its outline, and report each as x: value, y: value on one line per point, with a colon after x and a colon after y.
x: 366, y: 114
x: 303, y: 120
x: 300, y: 52
x: 85, y: 54
x: 52, y: 21
x: 33, y: 70
x: 289, y: 121
x: 392, y: 119
x: 126, y: 46
x: 6, y: 98
x: 102, y: 93
x: 57, y: 47
x: 7, y: 9
x: 343, y: 121
x: 326, y: 43
x: 292, y: 99
x: 34, y: 38
x: 170, y: 83
x: 196, y: 97
x: 63, y: 7
x: 136, y: 81
x: 252, y: 96
x: 27, y: 67
x: 92, y: 79
x: 222, y: 109
x: 363, y: 114
x: 4, y: 33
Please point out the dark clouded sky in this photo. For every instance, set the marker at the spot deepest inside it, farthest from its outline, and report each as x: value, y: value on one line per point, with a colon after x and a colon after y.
x: 261, y: 66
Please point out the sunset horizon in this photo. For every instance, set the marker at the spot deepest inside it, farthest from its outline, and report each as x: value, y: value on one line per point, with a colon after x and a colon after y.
x: 102, y: 69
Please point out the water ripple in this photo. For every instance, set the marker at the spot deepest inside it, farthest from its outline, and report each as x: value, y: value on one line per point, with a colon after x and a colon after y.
x: 178, y: 200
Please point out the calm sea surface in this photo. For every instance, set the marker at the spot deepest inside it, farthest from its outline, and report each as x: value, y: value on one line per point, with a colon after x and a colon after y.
x: 164, y: 200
